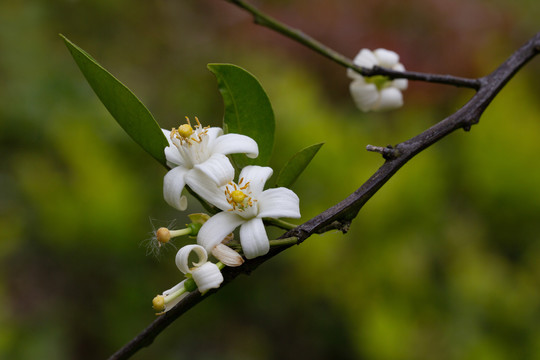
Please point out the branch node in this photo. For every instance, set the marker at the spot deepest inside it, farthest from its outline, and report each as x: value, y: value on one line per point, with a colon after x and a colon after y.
x: 341, y: 225
x: 344, y: 226
x: 388, y: 152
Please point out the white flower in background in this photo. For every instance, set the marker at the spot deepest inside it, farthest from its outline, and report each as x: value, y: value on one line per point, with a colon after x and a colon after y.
x: 201, y: 149
x: 245, y: 204
x: 205, y: 273
x: 377, y: 93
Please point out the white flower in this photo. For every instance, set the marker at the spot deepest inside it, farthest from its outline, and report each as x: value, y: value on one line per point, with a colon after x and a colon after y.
x: 203, y: 149
x: 377, y: 93
x: 245, y: 204
x: 205, y: 273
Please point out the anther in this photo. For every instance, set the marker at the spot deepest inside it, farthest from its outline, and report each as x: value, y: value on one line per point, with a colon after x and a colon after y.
x: 245, y: 186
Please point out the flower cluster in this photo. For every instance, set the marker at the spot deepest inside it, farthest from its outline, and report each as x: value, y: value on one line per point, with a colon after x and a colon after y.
x: 197, y: 158
x: 377, y: 93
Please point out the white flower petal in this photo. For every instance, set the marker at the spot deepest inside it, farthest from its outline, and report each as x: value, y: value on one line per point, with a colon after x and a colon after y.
x: 168, y: 294
x: 386, y: 58
x: 365, y: 58
x: 167, y: 134
x: 171, y: 152
x: 182, y: 257
x: 279, y: 202
x: 254, y: 239
x: 400, y: 84
x: 391, y: 98
x: 173, y: 184
x: 174, y: 288
x: 398, y: 67
x: 213, y: 133
x: 236, y: 144
x: 218, y: 168
x: 207, y: 276
x: 364, y: 95
x: 354, y: 75
x: 203, y: 186
x: 217, y: 228
x: 172, y: 303
x: 173, y: 156
x: 256, y: 176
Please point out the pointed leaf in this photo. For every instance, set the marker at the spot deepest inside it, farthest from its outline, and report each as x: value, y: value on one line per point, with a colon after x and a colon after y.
x: 122, y: 104
x: 247, y: 110
x: 296, y: 165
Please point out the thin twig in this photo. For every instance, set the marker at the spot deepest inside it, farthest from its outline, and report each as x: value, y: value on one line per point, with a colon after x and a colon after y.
x: 264, y: 20
x: 279, y: 223
x: 388, y: 152
x: 464, y: 118
x: 284, y: 241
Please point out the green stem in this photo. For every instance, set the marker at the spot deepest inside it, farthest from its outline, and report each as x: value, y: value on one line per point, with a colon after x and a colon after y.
x: 285, y: 241
x: 279, y: 223
x: 279, y: 242
x: 180, y: 232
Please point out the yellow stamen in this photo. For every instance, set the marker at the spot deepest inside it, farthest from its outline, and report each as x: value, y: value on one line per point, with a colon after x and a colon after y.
x: 238, y: 196
x: 245, y: 186
x: 198, y: 123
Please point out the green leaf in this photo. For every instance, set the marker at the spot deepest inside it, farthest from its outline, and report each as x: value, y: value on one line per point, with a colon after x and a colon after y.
x: 247, y: 110
x: 296, y: 165
x: 123, y: 105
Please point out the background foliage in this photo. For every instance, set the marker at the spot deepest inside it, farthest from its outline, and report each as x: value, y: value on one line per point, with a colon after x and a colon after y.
x: 441, y: 263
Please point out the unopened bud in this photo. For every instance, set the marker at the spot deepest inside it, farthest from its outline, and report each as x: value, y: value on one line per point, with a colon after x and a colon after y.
x: 227, y: 255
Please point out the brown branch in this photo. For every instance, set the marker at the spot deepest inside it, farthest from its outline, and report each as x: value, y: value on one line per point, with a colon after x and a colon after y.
x: 340, y: 216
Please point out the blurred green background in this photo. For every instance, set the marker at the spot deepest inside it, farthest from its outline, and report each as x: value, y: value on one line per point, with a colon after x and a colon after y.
x: 442, y: 262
